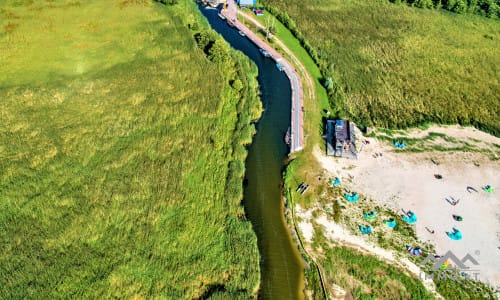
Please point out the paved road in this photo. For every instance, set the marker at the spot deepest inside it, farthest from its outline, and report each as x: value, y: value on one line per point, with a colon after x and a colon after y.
x: 296, y: 126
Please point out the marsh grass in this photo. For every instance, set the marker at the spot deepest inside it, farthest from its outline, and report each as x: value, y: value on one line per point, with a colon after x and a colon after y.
x: 364, y: 276
x: 121, y: 155
x: 434, y: 141
x: 399, y: 66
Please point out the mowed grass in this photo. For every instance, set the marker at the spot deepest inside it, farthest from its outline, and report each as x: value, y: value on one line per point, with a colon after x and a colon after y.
x: 121, y: 156
x: 399, y: 66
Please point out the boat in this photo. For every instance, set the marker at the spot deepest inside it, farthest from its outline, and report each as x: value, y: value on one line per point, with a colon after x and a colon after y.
x: 287, y: 136
x: 221, y: 16
x: 264, y: 52
x: 241, y: 33
x: 280, y: 67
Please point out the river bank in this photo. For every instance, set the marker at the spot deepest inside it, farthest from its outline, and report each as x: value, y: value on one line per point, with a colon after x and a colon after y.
x: 281, y: 264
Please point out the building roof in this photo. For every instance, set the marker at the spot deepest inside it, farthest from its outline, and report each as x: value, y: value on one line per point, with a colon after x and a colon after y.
x: 340, y: 139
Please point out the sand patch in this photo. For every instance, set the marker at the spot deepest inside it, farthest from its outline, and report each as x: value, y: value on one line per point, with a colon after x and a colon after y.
x: 406, y: 181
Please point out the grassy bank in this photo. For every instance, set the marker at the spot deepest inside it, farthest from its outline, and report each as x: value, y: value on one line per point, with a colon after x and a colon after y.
x: 122, y: 154
x: 396, y: 66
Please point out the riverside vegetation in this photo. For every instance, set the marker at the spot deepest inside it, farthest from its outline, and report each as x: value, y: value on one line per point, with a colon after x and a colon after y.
x: 395, y: 66
x: 122, y: 153
x: 488, y: 8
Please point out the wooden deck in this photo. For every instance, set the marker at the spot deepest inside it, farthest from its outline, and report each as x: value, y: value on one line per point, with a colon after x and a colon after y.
x: 297, y: 129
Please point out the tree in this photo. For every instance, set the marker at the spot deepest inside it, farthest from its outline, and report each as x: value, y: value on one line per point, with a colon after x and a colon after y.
x: 167, y: 2
x: 424, y: 3
x: 460, y: 7
x: 219, y: 52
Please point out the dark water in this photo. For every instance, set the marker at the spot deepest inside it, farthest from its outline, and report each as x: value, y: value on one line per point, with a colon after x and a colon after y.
x: 281, y: 265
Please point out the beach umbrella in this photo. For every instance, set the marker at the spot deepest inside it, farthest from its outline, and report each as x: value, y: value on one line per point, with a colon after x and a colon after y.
x: 391, y: 223
x: 370, y: 216
x: 355, y: 197
x: 456, y: 235
x: 351, y: 198
x: 414, y: 251
x: 410, y: 218
x: 488, y: 189
x: 365, y: 229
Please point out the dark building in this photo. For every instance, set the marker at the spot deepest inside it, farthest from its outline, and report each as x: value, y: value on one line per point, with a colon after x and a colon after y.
x: 340, y: 139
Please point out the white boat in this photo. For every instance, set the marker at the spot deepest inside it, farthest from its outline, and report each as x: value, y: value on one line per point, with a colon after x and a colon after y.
x: 280, y: 67
x: 241, y: 33
x: 264, y: 52
x: 221, y: 16
x: 287, y: 136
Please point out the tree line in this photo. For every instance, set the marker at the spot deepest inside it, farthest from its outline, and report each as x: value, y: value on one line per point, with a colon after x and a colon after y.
x: 487, y: 8
x: 167, y: 2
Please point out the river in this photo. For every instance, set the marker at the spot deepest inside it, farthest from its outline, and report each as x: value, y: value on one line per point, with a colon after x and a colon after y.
x: 281, y: 264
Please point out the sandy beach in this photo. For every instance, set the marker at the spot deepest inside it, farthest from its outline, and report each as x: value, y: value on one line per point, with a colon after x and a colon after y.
x: 406, y: 181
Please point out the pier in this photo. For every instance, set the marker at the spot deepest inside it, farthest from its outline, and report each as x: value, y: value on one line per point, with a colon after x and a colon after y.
x: 296, y: 126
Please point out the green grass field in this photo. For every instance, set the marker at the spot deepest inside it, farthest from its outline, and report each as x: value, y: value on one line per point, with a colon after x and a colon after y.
x: 121, y: 155
x: 399, y: 66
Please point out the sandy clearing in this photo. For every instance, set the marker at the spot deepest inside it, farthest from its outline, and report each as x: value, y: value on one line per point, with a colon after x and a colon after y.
x: 406, y: 181
x: 338, y: 233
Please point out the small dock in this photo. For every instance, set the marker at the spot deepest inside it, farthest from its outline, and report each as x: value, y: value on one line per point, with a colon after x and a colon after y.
x: 296, y: 126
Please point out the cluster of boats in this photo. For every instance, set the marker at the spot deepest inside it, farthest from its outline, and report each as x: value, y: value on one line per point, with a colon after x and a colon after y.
x: 262, y: 51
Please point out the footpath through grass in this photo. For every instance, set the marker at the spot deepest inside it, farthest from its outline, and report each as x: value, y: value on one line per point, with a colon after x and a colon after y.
x: 398, y: 66
x: 122, y: 154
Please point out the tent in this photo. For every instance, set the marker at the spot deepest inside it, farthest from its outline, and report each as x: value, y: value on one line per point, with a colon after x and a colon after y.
x: 399, y: 145
x: 336, y: 182
x: 488, y: 189
x: 410, y: 218
x: 365, y: 229
x: 445, y: 265
x: 456, y: 235
x: 353, y: 197
x: 370, y: 216
x: 414, y: 251
x: 391, y: 223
